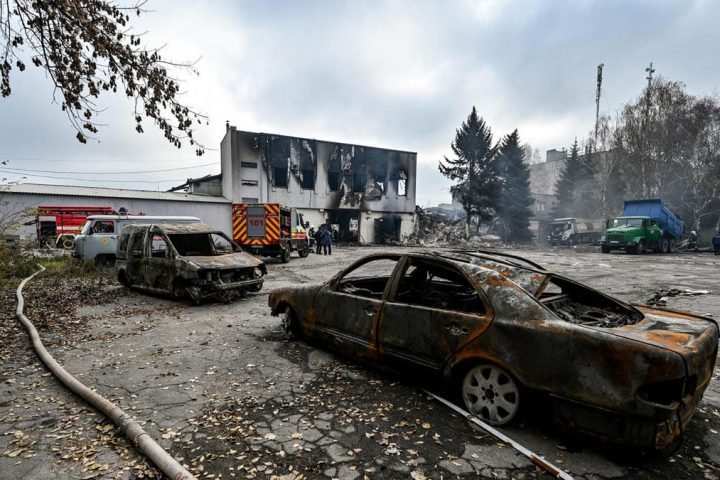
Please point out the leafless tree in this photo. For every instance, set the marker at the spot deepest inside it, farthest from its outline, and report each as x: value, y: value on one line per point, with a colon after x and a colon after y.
x: 88, y: 47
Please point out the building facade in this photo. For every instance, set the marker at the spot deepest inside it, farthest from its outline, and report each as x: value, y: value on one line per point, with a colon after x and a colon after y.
x: 366, y: 193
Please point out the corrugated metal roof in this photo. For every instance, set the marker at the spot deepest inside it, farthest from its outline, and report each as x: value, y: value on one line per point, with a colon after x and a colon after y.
x: 74, y: 191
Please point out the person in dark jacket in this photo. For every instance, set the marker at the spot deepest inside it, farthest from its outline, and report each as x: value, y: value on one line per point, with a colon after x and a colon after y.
x: 716, y: 243
x: 318, y: 237
x: 326, y: 240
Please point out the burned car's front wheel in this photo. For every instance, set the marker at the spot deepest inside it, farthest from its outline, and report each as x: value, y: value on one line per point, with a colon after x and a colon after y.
x: 490, y: 393
x: 290, y: 323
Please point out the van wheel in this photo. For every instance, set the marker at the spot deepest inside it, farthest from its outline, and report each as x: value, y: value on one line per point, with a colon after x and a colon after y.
x: 605, y: 249
x: 285, y: 254
x: 122, y: 278
x: 304, y: 252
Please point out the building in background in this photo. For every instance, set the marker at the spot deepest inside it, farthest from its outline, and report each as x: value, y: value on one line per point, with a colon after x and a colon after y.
x: 366, y: 193
x: 543, y: 179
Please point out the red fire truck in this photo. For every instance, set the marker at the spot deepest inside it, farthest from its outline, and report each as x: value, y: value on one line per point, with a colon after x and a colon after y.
x: 57, y: 225
x: 270, y: 229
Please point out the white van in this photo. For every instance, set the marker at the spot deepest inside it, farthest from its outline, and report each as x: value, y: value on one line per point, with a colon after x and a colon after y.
x: 98, y: 238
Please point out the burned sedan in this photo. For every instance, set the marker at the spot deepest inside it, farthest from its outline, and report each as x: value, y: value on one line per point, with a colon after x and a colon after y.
x: 496, y: 329
x: 192, y: 260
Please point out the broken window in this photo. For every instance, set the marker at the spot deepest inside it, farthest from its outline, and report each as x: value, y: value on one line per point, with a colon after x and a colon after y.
x: 249, y: 183
x: 158, y: 246
x: 280, y: 176
x: 192, y: 244
x: 248, y: 164
x: 334, y: 170
x: 369, y: 279
x: 399, y: 179
x: 222, y: 245
x: 307, y: 179
x: 136, y: 244
x: 578, y: 304
x: 429, y: 285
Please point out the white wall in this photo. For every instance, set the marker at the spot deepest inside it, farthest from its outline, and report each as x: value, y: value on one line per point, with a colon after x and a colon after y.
x: 216, y: 214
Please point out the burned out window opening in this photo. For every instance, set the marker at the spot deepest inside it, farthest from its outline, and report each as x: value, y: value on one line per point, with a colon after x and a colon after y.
x: 307, y: 179
x: 248, y: 164
x: 369, y: 279
x: 402, y: 184
x: 303, y: 162
x: 280, y: 177
x: 577, y: 304
x: 249, y: 183
x: 201, y: 244
x: 221, y: 244
x: 428, y: 285
x: 275, y: 153
x: 158, y: 246
x: 335, y: 169
x: 136, y: 243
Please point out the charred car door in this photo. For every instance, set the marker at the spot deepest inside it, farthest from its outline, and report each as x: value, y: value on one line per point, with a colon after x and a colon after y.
x: 432, y: 312
x: 135, y: 271
x: 348, y: 308
x: 160, y: 263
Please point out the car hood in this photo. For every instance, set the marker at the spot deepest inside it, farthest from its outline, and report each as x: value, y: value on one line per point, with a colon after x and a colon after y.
x: 224, y: 262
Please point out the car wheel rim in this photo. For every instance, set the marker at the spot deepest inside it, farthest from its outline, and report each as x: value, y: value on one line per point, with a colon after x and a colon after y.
x: 287, y: 322
x: 491, y: 394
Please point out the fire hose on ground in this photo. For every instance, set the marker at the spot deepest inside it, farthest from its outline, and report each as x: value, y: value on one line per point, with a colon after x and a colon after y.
x: 129, y: 426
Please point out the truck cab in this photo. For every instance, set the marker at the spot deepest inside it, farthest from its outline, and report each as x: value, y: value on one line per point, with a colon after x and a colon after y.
x: 632, y: 234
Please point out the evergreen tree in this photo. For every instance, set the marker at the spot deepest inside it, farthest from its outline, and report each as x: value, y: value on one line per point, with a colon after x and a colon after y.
x: 566, y: 185
x: 475, y: 169
x: 515, y: 211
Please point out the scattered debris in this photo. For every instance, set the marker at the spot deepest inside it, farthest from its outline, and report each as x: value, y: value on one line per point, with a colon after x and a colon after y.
x: 660, y: 297
x: 438, y: 228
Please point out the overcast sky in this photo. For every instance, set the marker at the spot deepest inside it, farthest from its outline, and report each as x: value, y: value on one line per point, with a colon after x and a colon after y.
x: 396, y: 74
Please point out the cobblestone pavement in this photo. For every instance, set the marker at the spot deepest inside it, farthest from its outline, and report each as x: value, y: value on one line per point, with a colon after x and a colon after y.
x: 222, y: 390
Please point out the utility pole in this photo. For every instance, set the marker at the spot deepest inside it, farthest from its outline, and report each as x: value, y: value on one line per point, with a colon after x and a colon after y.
x: 597, y: 100
x: 650, y: 70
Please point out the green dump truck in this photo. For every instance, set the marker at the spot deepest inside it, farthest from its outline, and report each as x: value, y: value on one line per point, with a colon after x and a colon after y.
x: 646, y: 225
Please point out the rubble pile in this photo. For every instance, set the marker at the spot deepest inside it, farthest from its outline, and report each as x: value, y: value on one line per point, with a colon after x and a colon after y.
x: 436, y: 228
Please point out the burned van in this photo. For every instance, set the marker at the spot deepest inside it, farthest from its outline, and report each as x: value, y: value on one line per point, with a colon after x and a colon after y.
x: 186, y: 260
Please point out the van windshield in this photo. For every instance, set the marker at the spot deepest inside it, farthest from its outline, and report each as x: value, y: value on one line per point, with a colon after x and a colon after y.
x: 201, y: 244
x: 85, y: 228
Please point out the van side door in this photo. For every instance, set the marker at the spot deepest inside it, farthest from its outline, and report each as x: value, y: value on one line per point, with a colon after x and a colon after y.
x: 160, y: 263
x: 136, y: 257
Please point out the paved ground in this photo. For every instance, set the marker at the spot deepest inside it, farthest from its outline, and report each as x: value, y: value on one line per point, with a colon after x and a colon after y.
x: 220, y: 388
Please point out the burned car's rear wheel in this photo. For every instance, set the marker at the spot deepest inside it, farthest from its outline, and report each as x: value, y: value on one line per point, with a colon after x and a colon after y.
x: 491, y: 393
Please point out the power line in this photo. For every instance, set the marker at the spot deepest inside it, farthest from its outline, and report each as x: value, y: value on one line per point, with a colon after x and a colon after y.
x: 95, y: 179
x: 107, y: 173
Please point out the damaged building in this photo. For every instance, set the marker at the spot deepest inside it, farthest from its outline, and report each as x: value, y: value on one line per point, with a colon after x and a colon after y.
x: 366, y: 193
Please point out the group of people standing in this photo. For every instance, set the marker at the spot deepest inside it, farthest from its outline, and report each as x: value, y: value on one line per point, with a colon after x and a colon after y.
x: 323, y: 239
